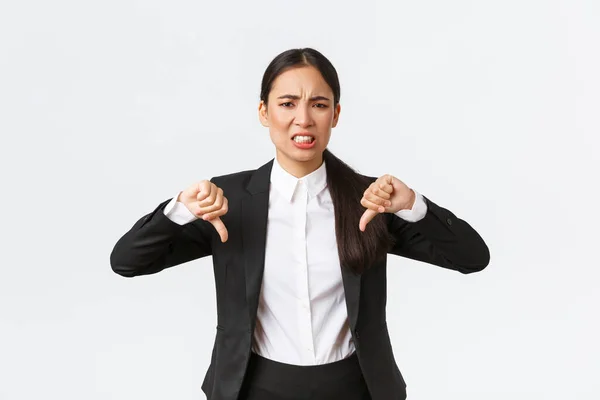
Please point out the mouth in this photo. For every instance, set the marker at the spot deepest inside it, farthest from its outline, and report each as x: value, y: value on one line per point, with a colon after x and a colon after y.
x: 303, y: 138
x: 303, y: 141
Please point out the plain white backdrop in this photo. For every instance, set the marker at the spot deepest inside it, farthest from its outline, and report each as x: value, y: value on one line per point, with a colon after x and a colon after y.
x: 489, y: 108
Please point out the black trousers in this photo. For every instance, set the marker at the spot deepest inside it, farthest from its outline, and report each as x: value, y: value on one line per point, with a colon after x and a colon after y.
x: 271, y: 380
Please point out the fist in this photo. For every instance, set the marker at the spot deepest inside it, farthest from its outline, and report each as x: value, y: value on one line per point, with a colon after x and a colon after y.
x: 386, y: 194
x: 205, y: 200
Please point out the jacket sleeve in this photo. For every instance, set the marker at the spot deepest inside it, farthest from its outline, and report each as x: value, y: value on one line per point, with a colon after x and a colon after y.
x: 440, y: 238
x: 155, y: 243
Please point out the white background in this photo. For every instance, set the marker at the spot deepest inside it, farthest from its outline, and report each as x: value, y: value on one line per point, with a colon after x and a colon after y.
x: 489, y: 108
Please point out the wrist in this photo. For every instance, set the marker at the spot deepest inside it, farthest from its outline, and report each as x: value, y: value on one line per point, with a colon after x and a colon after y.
x: 411, y: 202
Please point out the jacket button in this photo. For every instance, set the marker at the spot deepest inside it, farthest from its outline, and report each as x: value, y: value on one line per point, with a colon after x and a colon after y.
x: 449, y: 221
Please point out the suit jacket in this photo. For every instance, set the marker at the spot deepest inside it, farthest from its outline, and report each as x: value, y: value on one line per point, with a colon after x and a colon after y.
x: 155, y: 243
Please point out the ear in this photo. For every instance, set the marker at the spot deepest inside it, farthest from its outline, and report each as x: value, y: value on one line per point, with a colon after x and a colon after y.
x: 262, y: 114
x: 336, y: 115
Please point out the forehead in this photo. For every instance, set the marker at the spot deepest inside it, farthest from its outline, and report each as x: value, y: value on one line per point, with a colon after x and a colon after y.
x: 299, y: 80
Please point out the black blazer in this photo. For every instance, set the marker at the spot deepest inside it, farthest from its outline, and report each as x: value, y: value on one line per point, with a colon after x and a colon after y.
x: 155, y: 243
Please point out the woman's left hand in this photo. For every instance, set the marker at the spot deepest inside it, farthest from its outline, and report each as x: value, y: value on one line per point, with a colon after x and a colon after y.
x: 386, y: 194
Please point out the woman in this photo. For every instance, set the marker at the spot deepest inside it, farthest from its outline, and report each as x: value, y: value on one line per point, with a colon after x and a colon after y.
x: 299, y: 249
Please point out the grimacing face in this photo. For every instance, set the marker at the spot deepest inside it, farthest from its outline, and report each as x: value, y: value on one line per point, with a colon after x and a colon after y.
x: 300, y: 101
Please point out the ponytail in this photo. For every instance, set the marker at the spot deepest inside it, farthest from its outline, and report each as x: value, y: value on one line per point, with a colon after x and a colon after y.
x: 357, y: 250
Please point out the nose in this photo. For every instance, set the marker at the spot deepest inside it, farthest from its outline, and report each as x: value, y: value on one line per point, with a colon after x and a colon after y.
x: 303, y: 117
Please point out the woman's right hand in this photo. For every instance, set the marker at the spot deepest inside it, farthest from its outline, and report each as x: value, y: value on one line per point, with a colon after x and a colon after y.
x: 205, y: 200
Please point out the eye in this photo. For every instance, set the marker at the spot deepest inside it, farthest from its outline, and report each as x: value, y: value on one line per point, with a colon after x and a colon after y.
x: 284, y: 104
x: 321, y: 105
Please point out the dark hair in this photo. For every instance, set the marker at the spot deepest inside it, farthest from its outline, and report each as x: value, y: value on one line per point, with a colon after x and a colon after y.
x: 357, y: 250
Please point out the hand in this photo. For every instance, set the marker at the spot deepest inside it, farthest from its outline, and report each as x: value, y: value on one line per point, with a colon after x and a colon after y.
x: 386, y: 194
x: 205, y: 200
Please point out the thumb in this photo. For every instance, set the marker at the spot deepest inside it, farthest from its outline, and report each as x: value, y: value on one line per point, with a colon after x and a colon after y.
x: 220, y: 227
x: 367, y: 216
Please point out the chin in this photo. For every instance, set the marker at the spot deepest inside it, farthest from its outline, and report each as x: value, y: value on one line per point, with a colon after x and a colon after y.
x: 305, y: 155
x: 301, y: 155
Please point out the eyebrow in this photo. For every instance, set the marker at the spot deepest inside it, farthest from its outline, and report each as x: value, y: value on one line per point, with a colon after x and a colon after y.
x: 295, y: 97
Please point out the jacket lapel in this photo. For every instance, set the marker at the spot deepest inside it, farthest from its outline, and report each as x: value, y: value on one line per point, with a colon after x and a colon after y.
x: 352, y: 292
x: 255, y: 210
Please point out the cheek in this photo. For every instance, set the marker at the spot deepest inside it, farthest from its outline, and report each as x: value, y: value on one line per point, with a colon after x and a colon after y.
x: 279, y: 118
x: 325, y: 117
x: 279, y: 124
x: 324, y: 122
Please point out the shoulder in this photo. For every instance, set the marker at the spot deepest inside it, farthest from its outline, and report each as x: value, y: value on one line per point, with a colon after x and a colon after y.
x: 239, y: 181
x: 234, y: 180
x: 368, y: 178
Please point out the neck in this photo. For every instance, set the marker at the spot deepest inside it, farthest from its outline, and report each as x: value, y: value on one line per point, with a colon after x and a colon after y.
x: 299, y: 168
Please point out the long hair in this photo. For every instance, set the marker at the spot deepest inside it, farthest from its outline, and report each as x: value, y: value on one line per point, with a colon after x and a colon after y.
x: 357, y: 250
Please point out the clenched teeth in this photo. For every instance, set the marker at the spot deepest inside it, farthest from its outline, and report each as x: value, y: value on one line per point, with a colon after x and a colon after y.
x: 303, y: 139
